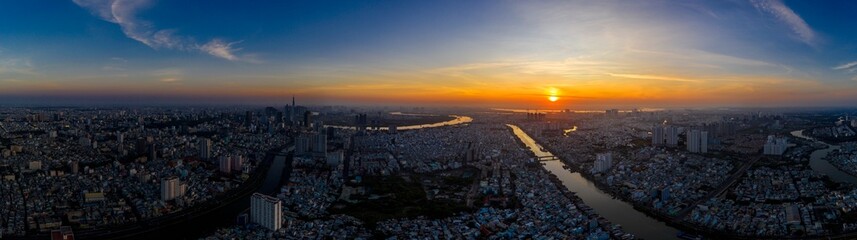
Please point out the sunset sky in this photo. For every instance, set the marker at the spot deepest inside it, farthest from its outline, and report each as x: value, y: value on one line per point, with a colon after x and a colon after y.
x: 585, y: 54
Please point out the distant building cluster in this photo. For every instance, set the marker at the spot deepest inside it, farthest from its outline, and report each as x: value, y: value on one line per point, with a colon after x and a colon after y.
x: 665, y: 135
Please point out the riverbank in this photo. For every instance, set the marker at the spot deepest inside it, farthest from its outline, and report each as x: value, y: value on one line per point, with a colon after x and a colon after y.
x: 614, y: 229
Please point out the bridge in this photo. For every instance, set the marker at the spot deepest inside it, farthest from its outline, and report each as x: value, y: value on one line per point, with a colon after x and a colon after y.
x: 547, y: 158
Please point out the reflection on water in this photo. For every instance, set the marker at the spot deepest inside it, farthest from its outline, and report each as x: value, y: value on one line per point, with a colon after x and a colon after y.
x: 616, y: 211
x: 569, y: 110
x: 567, y: 131
x: 457, y: 120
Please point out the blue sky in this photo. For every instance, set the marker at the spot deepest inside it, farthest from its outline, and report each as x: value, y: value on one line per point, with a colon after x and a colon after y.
x: 589, y: 53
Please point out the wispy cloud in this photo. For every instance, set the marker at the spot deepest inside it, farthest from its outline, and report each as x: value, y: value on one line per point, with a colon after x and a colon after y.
x: 652, y: 77
x: 124, y: 14
x: 220, y: 49
x: 170, y: 80
x: 845, y: 66
x: 786, y: 15
x: 16, y: 66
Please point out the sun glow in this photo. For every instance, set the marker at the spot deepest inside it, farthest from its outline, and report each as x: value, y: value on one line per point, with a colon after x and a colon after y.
x: 553, y: 94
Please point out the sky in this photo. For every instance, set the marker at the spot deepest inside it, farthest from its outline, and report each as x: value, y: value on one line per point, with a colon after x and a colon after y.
x: 521, y: 54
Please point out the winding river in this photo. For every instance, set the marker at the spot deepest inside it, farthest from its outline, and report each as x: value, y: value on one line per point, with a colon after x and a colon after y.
x: 614, y: 210
x: 820, y: 165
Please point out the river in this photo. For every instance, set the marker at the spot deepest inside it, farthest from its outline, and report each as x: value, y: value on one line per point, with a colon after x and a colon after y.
x: 457, y: 120
x: 614, y: 210
x: 820, y: 165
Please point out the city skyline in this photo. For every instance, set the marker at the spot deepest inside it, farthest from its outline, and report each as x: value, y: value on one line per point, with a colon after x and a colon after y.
x: 538, y: 55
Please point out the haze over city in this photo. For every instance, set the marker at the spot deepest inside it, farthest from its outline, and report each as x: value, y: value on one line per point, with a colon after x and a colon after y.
x: 595, y: 120
x: 482, y: 53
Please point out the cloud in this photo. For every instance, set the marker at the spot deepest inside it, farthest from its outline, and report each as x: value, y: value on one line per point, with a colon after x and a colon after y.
x: 220, y: 49
x: 124, y: 14
x: 170, y: 80
x: 652, y: 77
x: 786, y: 15
x: 845, y: 66
x: 16, y: 66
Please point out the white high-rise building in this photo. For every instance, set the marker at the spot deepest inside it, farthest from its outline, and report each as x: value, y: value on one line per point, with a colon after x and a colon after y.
x: 657, y: 135
x: 697, y: 141
x: 266, y: 211
x: 775, y: 146
x: 172, y: 188
x: 603, y: 162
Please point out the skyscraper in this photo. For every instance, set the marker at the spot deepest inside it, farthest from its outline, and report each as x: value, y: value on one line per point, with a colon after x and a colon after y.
x: 302, y: 145
x: 266, y: 211
x: 204, y: 148
x: 671, y: 133
x: 319, y: 144
x: 172, y: 188
x: 225, y: 164
x: 775, y: 146
x: 603, y: 162
x: 693, y: 141
x: 657, y: 135
x: 307, y: 118
x: 697, y: 141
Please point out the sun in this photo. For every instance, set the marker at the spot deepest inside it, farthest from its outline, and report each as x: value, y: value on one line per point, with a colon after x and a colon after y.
x: 553, y: 94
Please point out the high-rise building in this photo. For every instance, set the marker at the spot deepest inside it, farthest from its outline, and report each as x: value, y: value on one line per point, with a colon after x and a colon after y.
x: 307, y: 118
x: 172, y: 188
x: 319, y: 144
x: 266, y: 211
x: 671, y: 135
x: 120, y: 141
x: 657, y: 135
x: 603, y: 162
x: 302, y: 145
x: 775, y: 146
x: 692, y: 141
x: 204, y: 148
x: 237, y: 162
x: 225, y: 164
x: 697, y: 141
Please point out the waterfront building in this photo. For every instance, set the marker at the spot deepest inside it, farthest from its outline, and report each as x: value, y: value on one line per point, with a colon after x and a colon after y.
x: 266, y: 211
x: 603, y: 162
